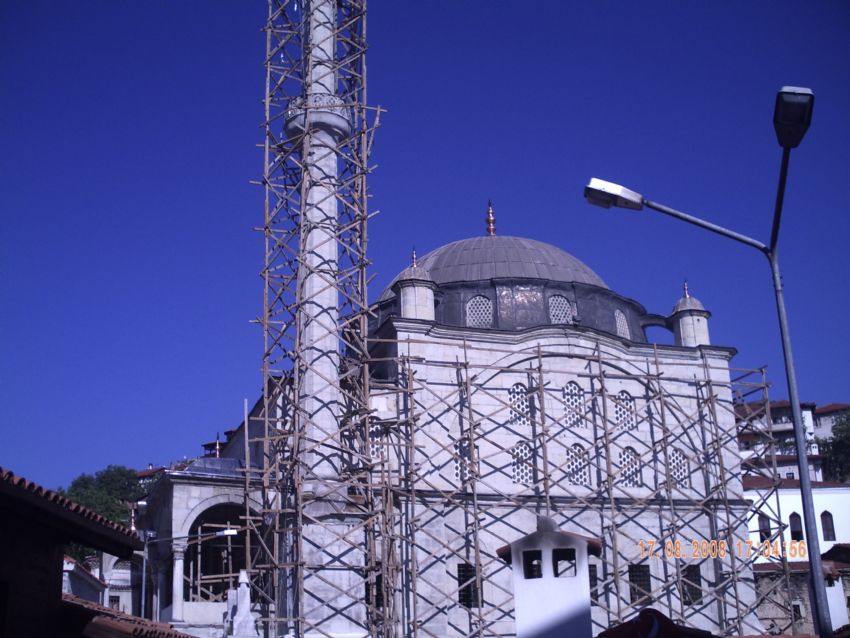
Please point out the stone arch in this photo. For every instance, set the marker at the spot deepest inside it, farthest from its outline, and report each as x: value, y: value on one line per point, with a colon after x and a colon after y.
x: 203, y: 506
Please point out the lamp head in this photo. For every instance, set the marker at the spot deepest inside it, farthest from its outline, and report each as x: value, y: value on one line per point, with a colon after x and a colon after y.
x: 792, y: 115
x: 607, y: 194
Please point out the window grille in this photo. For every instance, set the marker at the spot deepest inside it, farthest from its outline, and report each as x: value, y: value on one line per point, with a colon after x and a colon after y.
x: 520, y: 407
x: 375, y: 588
x: 594, y: 583
x: 764, y: 528
x: 828, y: 526
x: 463, y: 461
x: 622, y: 325
x: 574, y: 405
x: 560, y: 310
x: 629, y: 468
x: 521, y: 465
x: 577, y: 466
x: 796, y: 527
x: 479, y: 312
x: 376, y: 447
x: 691, y: 585
x: 639, y: 584
x: 467, y: 582
x: 625, y: 411
x: 680, y: 469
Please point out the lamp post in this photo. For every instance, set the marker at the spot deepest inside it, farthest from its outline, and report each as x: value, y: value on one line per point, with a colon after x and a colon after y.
x: 151, y: 539
x: 791, y: 118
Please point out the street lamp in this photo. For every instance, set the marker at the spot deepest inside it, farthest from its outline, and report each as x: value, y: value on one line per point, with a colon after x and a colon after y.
x: 791, y: 118
x: 151, y: 539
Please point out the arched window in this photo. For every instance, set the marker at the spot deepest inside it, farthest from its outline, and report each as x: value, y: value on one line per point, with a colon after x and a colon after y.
x: 463, y: 461
x: 521, y: 463
x: 574, y: 405
x: 520, y: 407
x: 560, y: 310
x: 625, y: 411
x: 796, y: 527
x: 828, y: 526
x: 577, y: 466
x: 479, y: 312
x: 630, y: 468
x: 680, y: 469
x: 764, y: 528
x: 622, y: 325
x: 376, y: 442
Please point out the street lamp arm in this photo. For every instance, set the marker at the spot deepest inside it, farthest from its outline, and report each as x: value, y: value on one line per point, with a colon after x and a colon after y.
x: 696, y: 221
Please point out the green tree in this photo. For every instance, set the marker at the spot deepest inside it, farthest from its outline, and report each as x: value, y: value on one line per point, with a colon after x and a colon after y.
x: 106, y: 493
x: 836, y: 451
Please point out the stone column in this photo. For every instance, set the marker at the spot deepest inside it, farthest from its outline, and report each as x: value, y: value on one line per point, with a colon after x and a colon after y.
x: 178, y: 550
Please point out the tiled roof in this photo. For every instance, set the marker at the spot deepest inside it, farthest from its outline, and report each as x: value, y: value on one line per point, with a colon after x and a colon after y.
x: 760, y: 482
x: 79, y: 522
x: 103, y: 620
x: 832, y: 407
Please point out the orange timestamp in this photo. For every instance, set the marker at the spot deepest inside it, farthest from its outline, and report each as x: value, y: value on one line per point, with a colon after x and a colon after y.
x: 705, y: 548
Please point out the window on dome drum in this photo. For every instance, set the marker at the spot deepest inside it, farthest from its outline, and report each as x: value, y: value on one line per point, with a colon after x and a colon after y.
x: 796, y: 527
x: 828, y: 526
x: 521, y: 463
x: 764, y: 528
x: 629, y: 468
x: 577, y: 466
x: 691, y: 585
x: 532, y: 563
x: 625, y: 412
x: 574, y: 405
x: 467, y: 582
x: 680, y: 469
x: 622, y: 325
x: 564, y: 562
x: 560, y: 310
x: 520, y: 406
x: 463, y: 461
x: 479, y: 312
x: 639, y: 584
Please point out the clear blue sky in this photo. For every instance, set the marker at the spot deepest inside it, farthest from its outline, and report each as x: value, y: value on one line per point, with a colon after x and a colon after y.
x: 129, y: 270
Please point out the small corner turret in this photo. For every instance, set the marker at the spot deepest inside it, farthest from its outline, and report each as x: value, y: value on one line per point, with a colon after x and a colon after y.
x: 415, y: 288
x: 689, y: 321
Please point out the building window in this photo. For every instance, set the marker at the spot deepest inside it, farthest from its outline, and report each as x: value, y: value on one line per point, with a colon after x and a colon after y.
x: 630, y: 468
x: 375, y: 588
x: 376, y: 447
x: 680, y: 469
x: 115, y: 602
x: 622, y: 325
x: 574, y: 405
x: 796, y: 527
x: 789, y: 475
x: 625, y: 411
x: 639, y: 584
x: 467, y: 582
x: 564, y: 562
x: 532, y: 563
x: 764, y: 528
x: 577, y: 466
x: 521, y: 463
x: 594, y: 584
x: 691, y: 585
x: 520, y: 406
x: 828, y: 526
x: 560, y: 310
x: 797, y: 610
x: 463, y: 461
x: 479, y: 312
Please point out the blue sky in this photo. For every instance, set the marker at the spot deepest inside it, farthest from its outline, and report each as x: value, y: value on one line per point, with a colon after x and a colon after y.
x: 128, y: 263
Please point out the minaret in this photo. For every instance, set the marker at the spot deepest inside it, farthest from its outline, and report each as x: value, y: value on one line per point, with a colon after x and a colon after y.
x: 415, y: 289
x: 690, y: 321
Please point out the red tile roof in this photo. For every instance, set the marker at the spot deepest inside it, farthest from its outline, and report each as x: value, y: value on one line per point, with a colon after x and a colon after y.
x: 117, y: 623
x: 832, y: 407
x: 78, y: 522
x: 760, y: 482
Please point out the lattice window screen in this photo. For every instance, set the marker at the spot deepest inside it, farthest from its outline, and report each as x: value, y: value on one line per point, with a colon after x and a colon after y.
x: 625, y: 411
x: 479, y: 312
x: 560, y: 310
x: 577, y: 466
x: 521, y: 463
x: 574, y: 406
x: 520, y: 407
x: 622, y: 325
x: 463, y: 461
x: 680, y: 469
x: 376, y: 447
x: 629, y: 468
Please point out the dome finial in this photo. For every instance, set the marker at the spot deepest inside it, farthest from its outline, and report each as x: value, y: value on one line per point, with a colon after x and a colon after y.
x: 686, y: 291
x: 491, y: 219
x: 413, y: 257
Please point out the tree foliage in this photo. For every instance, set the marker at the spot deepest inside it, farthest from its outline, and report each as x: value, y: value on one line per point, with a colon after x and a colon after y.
x: 836, y: 451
